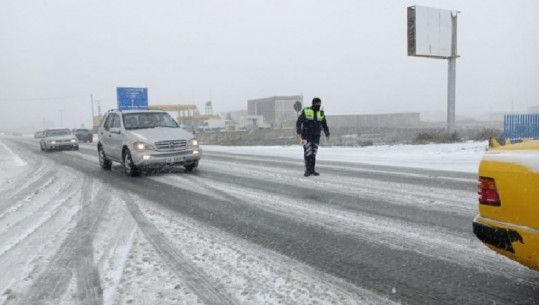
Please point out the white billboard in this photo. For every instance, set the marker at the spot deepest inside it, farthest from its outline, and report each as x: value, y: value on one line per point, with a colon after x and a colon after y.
x: 430, y: 31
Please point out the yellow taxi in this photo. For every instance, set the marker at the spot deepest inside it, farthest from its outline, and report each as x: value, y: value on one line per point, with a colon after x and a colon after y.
x: 508, y: 193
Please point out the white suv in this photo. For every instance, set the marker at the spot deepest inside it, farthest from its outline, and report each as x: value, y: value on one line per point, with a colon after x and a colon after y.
x: 145, y: 139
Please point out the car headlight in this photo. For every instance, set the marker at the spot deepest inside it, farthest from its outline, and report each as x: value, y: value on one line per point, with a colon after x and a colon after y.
x: 53, y: 142
x: 142, y: 146
x: 73, y: 140
x: 193, y: 143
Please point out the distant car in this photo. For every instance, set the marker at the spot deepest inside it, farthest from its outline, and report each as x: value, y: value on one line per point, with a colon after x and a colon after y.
x: 58, y: 139
x: 83, y: 135
x: 508, y: 221
x: 145, y: 139
x: 38, y: 134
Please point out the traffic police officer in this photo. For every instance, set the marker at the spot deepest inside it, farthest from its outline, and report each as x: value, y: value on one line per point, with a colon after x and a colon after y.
x: 309, y: 126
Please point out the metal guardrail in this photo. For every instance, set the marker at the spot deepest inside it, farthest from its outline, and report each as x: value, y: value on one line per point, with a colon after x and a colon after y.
x: 520, y: 126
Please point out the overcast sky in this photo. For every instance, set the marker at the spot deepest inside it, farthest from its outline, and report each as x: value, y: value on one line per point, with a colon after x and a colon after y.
x: 350, y: 53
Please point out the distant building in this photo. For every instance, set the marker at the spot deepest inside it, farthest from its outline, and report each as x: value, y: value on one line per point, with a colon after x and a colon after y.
x: 234, y: 115
x: 394, y: 120
x: 533, y: 109
x: 278, y: 111
x: 252, y: 122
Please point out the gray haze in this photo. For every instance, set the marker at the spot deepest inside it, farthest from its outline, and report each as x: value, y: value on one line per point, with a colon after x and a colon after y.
x: 55, y: 53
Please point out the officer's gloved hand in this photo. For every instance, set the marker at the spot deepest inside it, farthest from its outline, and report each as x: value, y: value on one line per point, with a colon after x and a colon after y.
x: 300, y: 139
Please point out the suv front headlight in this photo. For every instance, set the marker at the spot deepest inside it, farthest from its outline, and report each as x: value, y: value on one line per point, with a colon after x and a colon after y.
x: 193, y: 143
x: 142, y: 146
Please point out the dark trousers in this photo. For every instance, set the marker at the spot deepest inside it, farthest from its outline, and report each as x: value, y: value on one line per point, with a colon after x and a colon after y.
x: 309, y: 152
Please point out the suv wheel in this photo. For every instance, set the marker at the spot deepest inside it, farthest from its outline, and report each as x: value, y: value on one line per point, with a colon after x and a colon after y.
x: 129, y: 167
x: 103, y: 161
x: 191, y: 167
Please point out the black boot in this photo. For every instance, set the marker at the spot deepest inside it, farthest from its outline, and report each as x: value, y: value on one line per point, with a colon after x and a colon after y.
x: 313, y: 163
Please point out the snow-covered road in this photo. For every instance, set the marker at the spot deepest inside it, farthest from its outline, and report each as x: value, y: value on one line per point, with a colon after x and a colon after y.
x: 247, y: 228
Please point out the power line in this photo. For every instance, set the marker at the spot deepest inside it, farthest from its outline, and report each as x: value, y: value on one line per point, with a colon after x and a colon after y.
x: 43, y: 98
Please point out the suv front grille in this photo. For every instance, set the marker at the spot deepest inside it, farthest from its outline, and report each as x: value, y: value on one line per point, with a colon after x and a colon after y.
x: 171, y: 145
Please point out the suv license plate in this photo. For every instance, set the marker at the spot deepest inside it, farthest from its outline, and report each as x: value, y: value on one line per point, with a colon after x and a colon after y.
x: 173, y: 159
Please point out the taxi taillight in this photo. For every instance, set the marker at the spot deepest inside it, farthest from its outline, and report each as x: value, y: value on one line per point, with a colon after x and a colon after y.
x: 488, y: 193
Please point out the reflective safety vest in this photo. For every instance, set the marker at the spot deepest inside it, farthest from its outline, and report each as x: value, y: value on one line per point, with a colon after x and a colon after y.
x: 309, y: 114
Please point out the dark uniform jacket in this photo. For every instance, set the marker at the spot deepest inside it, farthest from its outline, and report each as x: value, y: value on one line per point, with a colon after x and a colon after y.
x: 311, y: 123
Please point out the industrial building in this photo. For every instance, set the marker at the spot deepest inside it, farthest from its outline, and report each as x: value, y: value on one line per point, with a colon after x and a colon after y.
x: 382, y: 120
x: 278, y: 111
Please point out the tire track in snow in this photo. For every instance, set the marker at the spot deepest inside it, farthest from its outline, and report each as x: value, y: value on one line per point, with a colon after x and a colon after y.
x: 200, y: 283
x: 28, y: 191
x: 36, y: 169
x: 255, y: 274
x: 113, y: 252
x: 395, y: 234
x: 398, y: 192
x: 74, y: 257
x: 376, y: 265
x: 52, y: 190
x: 23, y: 260
x: 24, y: 227
x: 88, y: 282
x: 386, y: 205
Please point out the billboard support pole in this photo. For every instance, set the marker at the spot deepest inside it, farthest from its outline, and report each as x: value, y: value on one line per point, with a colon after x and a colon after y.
x: 451, y: 84
x: 452, y: 76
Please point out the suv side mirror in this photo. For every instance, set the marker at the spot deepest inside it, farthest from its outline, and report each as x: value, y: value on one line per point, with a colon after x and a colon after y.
x: 115, y: 130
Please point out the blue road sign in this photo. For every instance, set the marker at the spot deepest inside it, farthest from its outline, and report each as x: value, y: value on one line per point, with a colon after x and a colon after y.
x: 132, y: 98
x: 297, y: 106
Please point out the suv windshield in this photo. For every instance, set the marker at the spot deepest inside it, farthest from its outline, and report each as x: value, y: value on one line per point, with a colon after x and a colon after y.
x: 142, y: 120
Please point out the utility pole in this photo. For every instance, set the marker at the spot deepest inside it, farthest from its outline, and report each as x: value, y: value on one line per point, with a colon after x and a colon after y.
x: 99, y: 108
x: 92, y: 104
